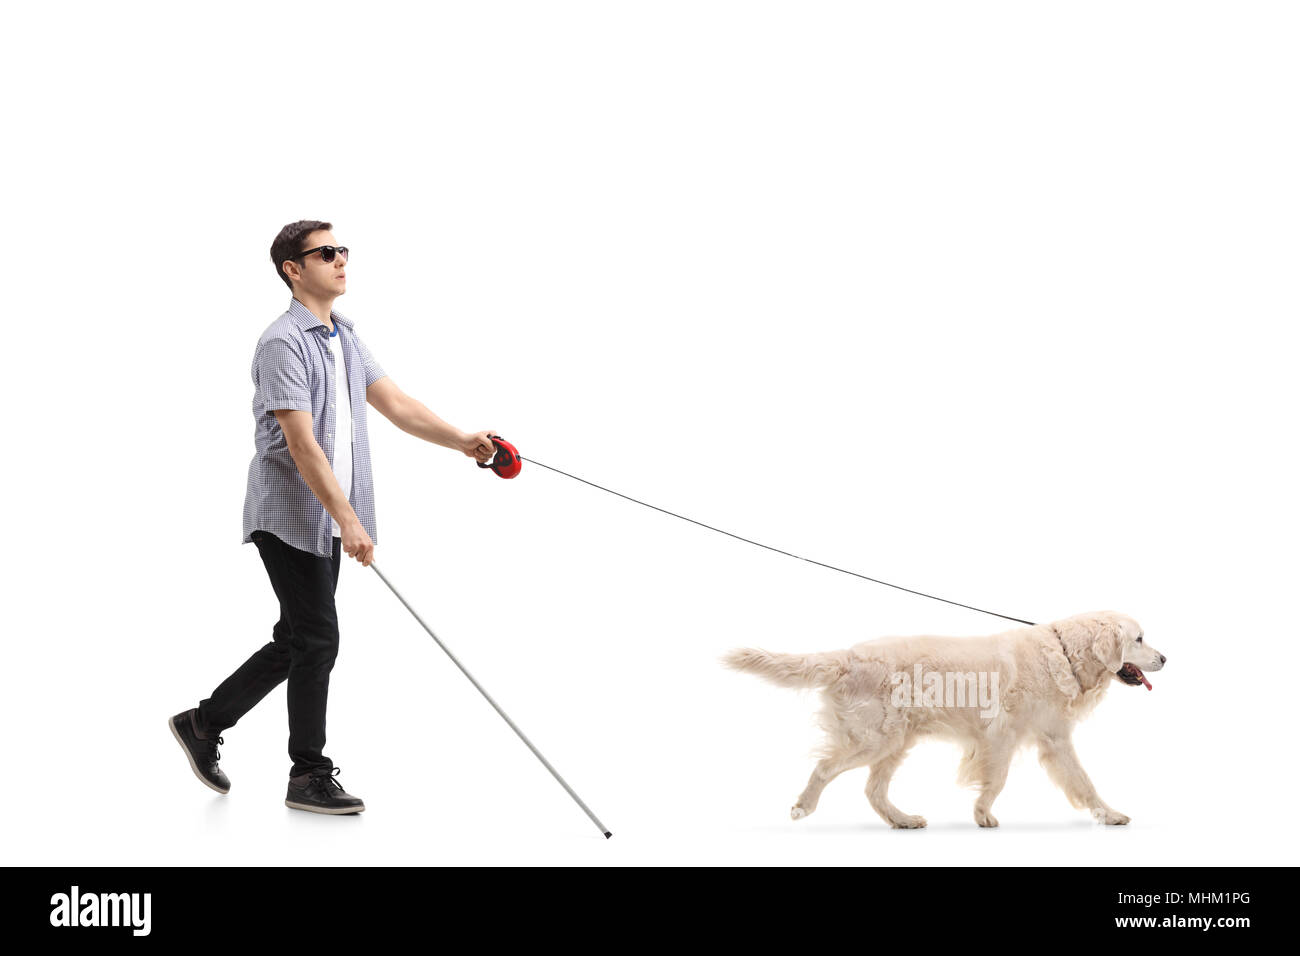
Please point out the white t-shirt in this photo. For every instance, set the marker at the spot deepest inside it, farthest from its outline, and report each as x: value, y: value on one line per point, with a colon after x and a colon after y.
x: 342, y: 421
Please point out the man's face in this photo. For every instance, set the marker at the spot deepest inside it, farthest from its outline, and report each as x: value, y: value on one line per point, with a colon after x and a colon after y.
x: 315, y: 276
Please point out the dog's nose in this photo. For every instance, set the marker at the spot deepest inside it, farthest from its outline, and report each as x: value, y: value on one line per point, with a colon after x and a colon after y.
x: 1162, y: 658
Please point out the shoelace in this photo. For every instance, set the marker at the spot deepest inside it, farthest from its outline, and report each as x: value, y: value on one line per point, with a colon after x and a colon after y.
x: 326, y: 778
x: 212, y: 747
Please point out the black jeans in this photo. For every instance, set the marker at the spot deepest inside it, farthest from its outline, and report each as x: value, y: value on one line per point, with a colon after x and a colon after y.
x: 304, y: 644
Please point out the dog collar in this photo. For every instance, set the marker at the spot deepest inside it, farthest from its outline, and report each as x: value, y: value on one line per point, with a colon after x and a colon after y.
x: 1064, y: 650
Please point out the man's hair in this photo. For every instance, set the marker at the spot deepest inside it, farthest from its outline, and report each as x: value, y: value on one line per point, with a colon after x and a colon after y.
x: 289, y: 243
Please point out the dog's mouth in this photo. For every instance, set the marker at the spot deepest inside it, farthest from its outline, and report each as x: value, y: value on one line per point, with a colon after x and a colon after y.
x: 1133, y: 676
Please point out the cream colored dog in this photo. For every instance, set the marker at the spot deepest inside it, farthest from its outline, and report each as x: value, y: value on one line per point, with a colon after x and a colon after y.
x: 992, y: 694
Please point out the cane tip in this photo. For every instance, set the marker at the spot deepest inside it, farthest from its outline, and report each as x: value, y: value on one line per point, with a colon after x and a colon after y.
x: 608, y: 834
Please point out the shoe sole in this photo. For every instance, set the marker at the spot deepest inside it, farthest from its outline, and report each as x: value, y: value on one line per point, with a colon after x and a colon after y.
x: 202, y: 779
x: 314, y: 809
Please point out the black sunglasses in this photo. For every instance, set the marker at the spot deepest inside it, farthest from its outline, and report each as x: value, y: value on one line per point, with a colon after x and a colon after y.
x: 326, y: 253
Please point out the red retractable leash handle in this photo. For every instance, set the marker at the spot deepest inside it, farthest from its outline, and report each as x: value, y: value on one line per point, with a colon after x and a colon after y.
x: 506, y: 461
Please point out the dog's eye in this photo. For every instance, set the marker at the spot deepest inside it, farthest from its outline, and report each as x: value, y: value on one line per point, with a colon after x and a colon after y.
x: 1139, y: 640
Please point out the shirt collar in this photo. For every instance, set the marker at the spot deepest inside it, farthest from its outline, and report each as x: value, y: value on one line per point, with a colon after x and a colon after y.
x: 307, y: 320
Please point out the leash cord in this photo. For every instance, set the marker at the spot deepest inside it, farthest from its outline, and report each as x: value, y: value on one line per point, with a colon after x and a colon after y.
x: 770, y: 548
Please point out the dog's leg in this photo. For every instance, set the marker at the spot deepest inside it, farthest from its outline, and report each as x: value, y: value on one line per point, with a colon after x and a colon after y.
x: 1056, y: 754
x: 882, y: 771
x: 994, y: 762
x: 825, y: 771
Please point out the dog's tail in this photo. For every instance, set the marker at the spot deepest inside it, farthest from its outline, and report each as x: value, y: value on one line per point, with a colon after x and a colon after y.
x: 790, y: 670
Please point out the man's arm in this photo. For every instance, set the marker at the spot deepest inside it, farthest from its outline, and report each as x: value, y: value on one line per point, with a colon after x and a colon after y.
x: 412, y: 417
x: 314, y: 466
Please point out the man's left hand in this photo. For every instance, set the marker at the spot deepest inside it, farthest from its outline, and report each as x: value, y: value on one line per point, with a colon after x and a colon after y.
x: 479, y: 447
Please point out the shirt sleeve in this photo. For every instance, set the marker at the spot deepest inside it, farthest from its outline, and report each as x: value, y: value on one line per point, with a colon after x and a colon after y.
x: 373, y: 370
x: 280, y: 376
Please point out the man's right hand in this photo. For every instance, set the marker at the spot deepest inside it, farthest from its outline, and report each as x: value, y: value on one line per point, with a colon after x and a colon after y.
x: 356, y: 543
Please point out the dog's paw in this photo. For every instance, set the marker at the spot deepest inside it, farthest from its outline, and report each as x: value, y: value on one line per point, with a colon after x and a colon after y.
x: 984, y: 818
x: 1111, y: 818
x: 798, y: 813
x: 908, y: 823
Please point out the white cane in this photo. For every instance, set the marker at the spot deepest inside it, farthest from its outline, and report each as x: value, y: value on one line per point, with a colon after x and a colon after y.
x: 504, y: 715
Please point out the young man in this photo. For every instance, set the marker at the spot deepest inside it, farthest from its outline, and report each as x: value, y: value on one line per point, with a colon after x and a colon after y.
x: 310, y: 498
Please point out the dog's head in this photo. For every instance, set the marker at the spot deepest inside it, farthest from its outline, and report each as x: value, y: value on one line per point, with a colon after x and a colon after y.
x: 1115, y: 642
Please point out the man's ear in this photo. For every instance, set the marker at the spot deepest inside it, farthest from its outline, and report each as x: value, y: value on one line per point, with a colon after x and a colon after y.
x: 1108, y: 646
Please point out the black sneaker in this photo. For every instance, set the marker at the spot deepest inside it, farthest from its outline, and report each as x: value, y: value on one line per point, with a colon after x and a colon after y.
x: 200, y: 751
x: 319, y: 792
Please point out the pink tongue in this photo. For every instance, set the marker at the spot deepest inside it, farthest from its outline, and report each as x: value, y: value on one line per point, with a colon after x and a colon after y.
x: 1143, y: 677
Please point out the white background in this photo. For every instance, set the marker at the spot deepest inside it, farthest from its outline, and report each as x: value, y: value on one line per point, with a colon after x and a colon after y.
x: 990, y: 300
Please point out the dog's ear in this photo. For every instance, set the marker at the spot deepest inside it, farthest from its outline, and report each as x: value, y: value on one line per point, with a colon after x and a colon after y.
x: 1108, y: 645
